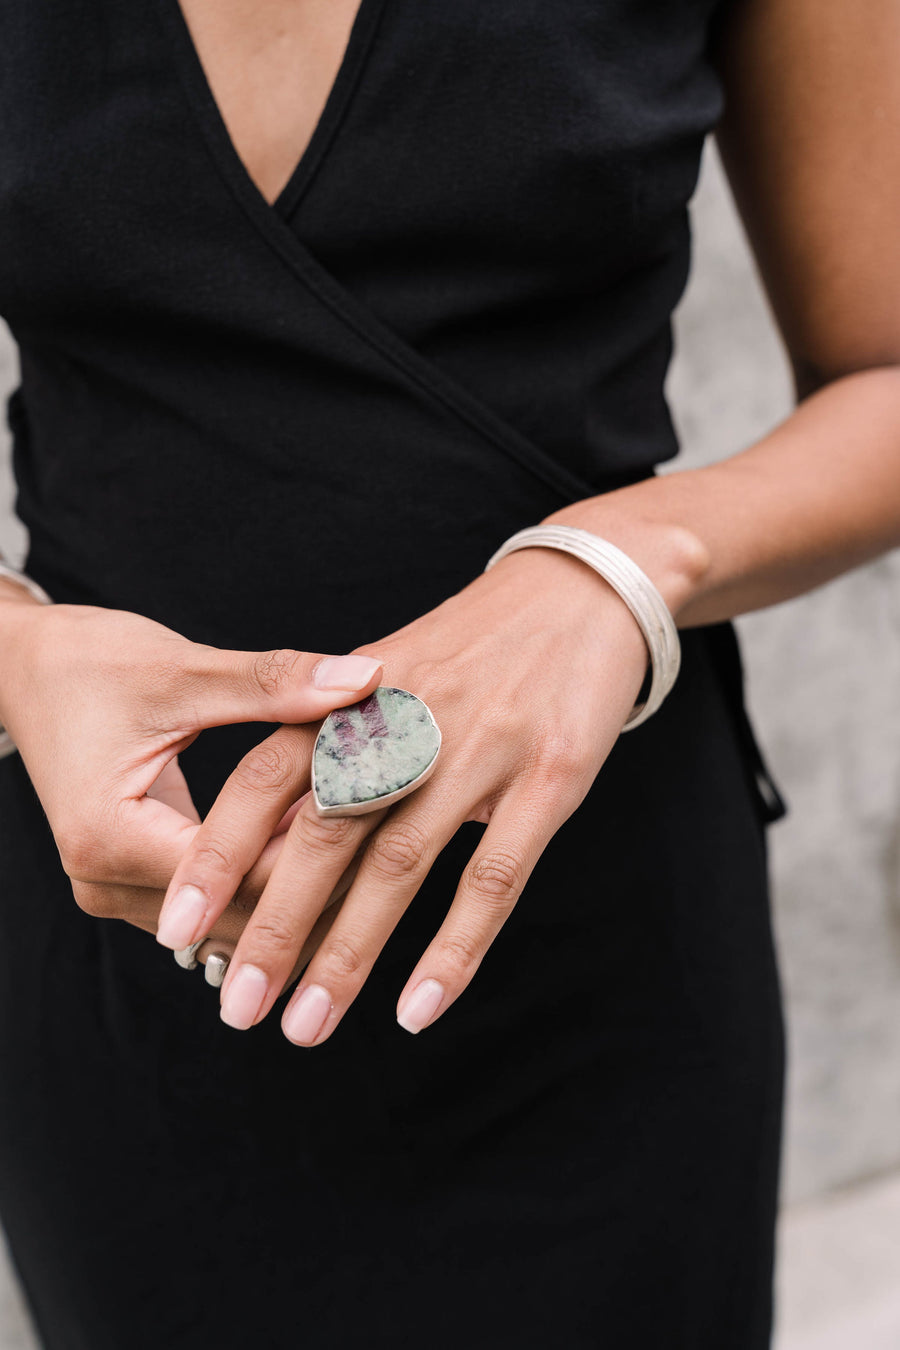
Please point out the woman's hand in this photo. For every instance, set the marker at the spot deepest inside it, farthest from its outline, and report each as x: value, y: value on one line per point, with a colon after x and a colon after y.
x: 100, y: 703
x: 531, y: 672
x: 140, y: 905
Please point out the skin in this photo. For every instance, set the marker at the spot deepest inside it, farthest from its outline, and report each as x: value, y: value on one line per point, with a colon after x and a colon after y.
x: 114, y: 795
x: 811, y: 141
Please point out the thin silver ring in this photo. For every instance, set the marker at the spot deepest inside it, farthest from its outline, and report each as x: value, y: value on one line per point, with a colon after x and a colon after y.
x: 187, y: 956
x: 216, y: 966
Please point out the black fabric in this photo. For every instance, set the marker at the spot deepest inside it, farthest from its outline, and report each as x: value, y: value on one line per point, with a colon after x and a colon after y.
x: 454, y: 319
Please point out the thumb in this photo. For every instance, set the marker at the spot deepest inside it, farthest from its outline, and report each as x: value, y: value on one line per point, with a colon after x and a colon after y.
x: 277, y: 686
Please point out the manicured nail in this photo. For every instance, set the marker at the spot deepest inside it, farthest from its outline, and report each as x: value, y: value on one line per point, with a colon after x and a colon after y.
x: 304, y: 1019
x: 418, y: 1009
x: 181, y: 921
x: 345, y: 672
x: 244, y: 997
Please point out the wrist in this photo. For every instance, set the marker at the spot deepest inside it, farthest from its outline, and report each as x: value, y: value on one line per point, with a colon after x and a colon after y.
x: 20, y: 610
x: 674, y: 558
x: 13, y: 592
x: 631, y: 584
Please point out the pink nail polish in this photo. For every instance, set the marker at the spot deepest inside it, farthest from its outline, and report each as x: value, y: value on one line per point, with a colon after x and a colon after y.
x: 244, y: 997
x: 304, y: 1019
x: 181, y: 921
x: 345, y: 672
x: 417, y: 1010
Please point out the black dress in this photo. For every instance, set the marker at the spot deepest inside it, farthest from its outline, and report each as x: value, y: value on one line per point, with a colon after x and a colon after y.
x: 303, y: 425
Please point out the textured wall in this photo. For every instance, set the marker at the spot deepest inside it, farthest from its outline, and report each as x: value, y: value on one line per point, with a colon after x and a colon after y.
x: 825, y: 688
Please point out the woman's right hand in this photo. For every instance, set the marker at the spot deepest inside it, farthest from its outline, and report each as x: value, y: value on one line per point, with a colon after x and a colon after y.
x: 99, y: 704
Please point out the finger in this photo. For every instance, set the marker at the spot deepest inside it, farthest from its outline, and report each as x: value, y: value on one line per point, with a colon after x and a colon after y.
x: 315, y: 853
x: 489, y: 889
x: 285, y: 821
x: 257, y: 878
x: 225, y: 946
x: 221, y: 687
x: 171, y: 788
x: 242, y: 820
x: 140, y: 906
x: 393, y: 868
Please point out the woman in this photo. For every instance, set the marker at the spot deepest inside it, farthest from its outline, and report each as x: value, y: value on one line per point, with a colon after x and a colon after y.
x: 307, y: 332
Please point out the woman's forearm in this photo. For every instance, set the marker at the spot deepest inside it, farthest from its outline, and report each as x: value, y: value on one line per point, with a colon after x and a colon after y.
x: 816, y: 497
x: 16, y: 594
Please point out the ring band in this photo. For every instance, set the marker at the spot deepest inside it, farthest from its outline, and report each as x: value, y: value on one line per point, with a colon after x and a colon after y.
x: 216, y: 966
x: 187, y: 956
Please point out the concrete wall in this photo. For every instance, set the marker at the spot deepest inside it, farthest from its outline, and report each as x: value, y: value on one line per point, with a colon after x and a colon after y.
x: 825, y: 688
x: 824, y: 681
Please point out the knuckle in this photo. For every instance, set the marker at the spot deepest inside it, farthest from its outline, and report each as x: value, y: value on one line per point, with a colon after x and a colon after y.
x: 215, y: 857
x: 495, y: 724
x: 84, y: 856
x: 99, y: 902
x: 273, y: 670
x: 460, y: 956
x: 268, y: 767
x: 559, y: 756
x: 317, y: 831
x: 343, y: 959
x: 398, y: 850
x: 497, y: 878
x: 272, y: 937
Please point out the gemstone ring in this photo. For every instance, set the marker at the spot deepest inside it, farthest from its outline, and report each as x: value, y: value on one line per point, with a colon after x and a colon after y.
x: 373, y: 753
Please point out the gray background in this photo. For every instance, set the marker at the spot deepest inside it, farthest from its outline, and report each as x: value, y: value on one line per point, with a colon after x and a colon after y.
x: 824, y: 683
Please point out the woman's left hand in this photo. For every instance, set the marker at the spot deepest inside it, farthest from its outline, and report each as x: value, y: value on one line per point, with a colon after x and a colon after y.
x: 531, y: 672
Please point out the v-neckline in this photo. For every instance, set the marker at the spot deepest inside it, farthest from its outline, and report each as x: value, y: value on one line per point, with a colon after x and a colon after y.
x: 286, y: 202
x: 275, y: 224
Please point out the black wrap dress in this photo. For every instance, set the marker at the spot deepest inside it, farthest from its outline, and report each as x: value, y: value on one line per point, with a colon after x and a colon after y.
x: 303, y: 425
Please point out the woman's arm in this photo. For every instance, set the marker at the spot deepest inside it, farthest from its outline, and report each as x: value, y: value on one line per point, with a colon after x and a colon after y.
x: 532, y: 669
x: 811, y: 142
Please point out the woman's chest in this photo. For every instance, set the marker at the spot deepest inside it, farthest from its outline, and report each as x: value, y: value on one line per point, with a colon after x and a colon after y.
x: 546, y: 131
x: 270, y: 65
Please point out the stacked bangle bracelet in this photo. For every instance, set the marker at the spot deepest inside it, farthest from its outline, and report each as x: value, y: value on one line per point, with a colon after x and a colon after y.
x: 7, y: 745
x: 635, y: 588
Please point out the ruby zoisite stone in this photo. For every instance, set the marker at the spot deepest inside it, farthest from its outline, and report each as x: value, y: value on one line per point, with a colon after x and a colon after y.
x: 373, y: 752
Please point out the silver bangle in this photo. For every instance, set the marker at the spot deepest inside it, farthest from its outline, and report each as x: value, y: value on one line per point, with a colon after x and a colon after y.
x: 635, y: 588
x: 7, y: 745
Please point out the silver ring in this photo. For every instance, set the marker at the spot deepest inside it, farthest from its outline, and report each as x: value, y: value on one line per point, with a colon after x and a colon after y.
x: 187, y: 956
x: 216, y: 966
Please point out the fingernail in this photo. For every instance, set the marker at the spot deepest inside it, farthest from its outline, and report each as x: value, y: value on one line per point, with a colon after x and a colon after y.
x: 244, y: 997
x: 181, y: 920
x: 345, y: 672
x: 417, y: 1011
x: 304, y: 1019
